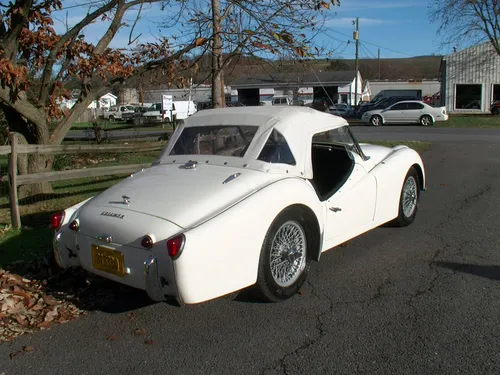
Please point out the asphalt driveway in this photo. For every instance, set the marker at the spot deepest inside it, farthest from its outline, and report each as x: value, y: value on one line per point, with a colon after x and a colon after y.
x: 423, y: 299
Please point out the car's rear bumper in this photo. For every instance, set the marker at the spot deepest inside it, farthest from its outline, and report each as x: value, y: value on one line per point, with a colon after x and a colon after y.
x: 145, y: 270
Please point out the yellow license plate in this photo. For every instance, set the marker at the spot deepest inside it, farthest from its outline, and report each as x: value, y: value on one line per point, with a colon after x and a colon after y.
x: 108, y: 260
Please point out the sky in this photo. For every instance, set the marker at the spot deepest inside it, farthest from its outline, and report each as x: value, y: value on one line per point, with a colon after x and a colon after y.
x: 400, y: 28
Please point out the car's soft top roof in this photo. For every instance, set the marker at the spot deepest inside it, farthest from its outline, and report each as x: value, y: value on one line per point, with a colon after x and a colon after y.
x: 267, y: 116
x: 297, y: 124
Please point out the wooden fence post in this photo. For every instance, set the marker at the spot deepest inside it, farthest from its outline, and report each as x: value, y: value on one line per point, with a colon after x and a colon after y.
x: 14, y: 204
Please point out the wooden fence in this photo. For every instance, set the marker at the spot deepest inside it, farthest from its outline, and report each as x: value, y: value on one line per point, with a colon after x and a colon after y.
x: 15, y: 180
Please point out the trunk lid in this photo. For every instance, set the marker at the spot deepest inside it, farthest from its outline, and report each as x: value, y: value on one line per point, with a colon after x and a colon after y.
x: 180, y: 196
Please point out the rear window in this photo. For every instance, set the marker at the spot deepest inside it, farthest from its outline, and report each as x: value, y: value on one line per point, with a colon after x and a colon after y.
x: 214, y: 140
x: 276, y: 150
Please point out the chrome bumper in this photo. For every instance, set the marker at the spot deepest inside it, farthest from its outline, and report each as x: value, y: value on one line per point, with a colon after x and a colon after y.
x: 57, y: 251
x: 153, y: 284
x: 153, y: 281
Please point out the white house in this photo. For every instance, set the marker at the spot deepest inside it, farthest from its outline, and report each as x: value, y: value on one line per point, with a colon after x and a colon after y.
x: 105, y: 102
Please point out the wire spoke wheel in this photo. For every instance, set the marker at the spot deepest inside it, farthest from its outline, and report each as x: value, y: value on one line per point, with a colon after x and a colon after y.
x: 410, y: 194
x: 288, y: 254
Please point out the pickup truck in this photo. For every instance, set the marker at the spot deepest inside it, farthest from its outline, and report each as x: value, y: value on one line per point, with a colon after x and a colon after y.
x: 117, y: 112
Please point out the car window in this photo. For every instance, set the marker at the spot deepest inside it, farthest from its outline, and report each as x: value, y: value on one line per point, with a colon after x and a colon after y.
x: 399, y: 107
x: 415, y: 106
x: 276, y: 150
x: 214, y: 140
x: 339, y: 136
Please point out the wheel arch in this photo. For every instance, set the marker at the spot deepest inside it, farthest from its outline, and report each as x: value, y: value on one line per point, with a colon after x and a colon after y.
x: 427, y: 114
x: 313, y: 231
x: 421, y: 177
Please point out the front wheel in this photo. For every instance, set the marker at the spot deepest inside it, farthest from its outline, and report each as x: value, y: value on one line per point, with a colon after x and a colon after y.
x: 408, y: 200
x: 376, y: 120
x: 426, y: 120
x: 284, y: 261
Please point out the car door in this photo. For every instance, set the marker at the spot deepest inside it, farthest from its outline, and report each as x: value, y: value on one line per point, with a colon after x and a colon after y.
x: 351, y: 209
x: 413, y: 112
x: 394, y: 113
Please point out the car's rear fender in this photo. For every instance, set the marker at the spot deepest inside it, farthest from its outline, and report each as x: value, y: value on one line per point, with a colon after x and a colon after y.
x: 222, y: 255
x: 390, y: 174
x: 64, y: 240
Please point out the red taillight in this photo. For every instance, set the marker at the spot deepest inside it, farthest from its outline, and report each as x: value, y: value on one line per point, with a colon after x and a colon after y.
x: 74, y: 225
x: 175, y: 246
x: 56, y: 220
x: 147, y: 242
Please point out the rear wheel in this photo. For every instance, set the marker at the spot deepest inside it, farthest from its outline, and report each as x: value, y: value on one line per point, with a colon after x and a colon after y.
x: 408, y: 200
x: 495, y: 111
x: 284, y: 261
x: 111, y: 118
x: 426, y: 120
x: 376, y: 120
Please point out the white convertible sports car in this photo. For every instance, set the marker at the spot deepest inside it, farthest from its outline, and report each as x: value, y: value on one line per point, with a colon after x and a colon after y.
x: 240, y: 197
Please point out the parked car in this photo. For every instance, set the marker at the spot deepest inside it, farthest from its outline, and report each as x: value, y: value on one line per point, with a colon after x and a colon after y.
x: 341, y: 109
x: 181, y: 110
x: 319, y: 104
x: 240, y: 197
x: 406, y: 112
x: 281, y: 100
x: 131, y: 116
x: 382, y: 104
x: 495, y: 108
x: 117, y: 112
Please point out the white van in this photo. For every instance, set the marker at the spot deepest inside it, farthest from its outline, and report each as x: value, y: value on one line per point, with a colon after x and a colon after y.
x: 181, y: 110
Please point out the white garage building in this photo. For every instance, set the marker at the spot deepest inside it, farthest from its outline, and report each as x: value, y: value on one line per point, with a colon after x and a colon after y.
x: 470, y: 79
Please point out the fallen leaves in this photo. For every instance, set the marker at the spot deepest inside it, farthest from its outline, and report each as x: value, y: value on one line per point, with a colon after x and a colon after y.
x: 25, y: 307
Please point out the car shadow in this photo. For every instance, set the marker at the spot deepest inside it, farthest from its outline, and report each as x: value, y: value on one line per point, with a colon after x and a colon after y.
x: 488, y: 272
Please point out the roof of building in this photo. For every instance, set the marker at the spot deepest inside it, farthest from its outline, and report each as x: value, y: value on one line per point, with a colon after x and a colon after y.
x: 289, y: 79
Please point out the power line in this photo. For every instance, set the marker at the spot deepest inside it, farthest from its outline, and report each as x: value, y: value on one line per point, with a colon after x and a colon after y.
x: 373, y: 44
x: 366, y: 49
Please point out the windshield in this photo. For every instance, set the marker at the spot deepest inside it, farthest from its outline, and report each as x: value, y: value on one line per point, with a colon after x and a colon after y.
x: 339, y: 136
x: 214, y: 140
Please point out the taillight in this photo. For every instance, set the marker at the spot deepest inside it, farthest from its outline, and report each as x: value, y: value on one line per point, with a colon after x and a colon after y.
x: 175, y: 246
x: 147, y: 242
x: 56, y: 220
x: 74, y: 225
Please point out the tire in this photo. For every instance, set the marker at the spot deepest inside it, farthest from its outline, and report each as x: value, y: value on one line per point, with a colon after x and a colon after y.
x: 495, y: 111
x: 410, y: 193
x: 111, y: 118
x: 426, y: 120
x: 270, y: 287
x: 376, y: 120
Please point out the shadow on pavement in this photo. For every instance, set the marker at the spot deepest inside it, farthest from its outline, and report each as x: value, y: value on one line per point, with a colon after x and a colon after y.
x: 488, y: 272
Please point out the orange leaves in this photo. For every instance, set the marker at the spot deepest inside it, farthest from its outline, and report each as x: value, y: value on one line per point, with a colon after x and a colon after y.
x: 24, y: 307
x: 200, y: 41
x: 13, y: 77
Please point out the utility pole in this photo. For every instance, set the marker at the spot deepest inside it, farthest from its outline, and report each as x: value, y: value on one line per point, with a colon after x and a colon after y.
x: 356, y: 38
x: 379, y: 64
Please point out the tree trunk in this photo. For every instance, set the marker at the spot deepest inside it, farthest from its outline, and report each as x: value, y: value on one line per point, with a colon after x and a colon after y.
x: 217, y: 99
x: 37, y: 163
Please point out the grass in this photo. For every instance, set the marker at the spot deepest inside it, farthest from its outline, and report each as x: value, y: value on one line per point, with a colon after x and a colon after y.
x: 470, y: 121
x: 418, y: 146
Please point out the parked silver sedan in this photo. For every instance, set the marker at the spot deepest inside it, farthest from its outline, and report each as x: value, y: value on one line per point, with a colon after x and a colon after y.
x: 406, y: 112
